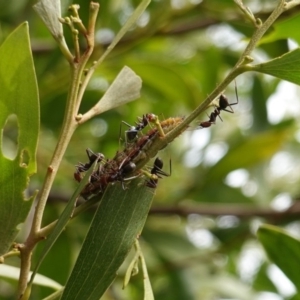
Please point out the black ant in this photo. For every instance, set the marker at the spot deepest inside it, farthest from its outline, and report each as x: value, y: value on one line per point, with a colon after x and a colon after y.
x: 157, y: 171
x: 122, y: 172
x: 212, y: 119
x: 80, y: 168
x: 133, y: 131
x: 100, y: 179
x: 223, y: 104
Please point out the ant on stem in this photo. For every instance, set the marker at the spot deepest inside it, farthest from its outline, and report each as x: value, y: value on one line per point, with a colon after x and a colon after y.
x: 223, y: 104
x: 81, y: 167
x: 133, y: 131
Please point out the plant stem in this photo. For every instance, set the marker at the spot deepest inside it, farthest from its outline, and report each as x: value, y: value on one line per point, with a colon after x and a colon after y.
x: 68, y: 127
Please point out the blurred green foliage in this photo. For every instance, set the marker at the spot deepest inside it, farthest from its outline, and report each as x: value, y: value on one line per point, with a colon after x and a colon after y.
x: 199, y: 241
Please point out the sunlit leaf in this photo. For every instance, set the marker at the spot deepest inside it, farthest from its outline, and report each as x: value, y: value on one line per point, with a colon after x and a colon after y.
x: 283, y: 250
x: 286, y: 67
x: 284, y: 30
x: 18, y: 98
x: 118, y: 221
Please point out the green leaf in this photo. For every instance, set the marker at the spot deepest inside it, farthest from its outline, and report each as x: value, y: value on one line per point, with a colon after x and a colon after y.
x: 284, y: 30
x: 18, y: 99
x: 118, y: 221
x: 285, y: 67
x: 283, y: 250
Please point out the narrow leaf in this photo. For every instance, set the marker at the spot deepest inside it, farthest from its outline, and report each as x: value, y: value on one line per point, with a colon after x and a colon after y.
x: 283, y: 250
x: 118, y: 221
x: 286, y: 67
x: 18, y: 99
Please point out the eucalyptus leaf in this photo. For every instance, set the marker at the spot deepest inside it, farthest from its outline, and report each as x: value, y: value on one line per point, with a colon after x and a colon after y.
x: 286, y: 67
x: 18, y: 99
x: 117, y: 223
x: 283, y: 250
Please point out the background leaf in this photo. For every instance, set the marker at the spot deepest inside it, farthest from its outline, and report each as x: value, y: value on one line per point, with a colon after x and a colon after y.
x: 284, y: 29
x: 18, y: 98
x: 283, y: 250
x: 262, y: 146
